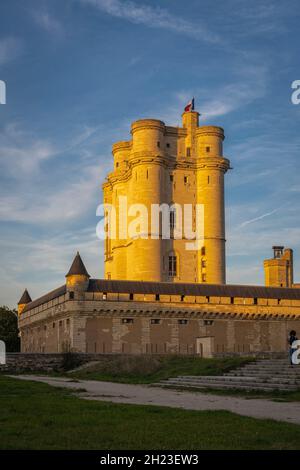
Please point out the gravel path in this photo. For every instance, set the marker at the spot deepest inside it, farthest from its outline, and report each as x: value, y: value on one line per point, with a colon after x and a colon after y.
x: 148, y: 395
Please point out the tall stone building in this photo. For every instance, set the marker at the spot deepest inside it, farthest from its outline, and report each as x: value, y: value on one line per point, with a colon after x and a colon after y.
x: 158, y: 297
x: 172, y: 166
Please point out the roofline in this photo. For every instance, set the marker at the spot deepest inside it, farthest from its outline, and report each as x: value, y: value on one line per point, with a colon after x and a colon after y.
x: 175, y: 288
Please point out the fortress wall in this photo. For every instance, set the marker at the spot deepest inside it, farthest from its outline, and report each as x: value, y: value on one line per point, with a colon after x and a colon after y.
x: 156, y: 327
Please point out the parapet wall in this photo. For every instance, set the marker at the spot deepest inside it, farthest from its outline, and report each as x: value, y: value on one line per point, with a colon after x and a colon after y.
x: 39, y: 362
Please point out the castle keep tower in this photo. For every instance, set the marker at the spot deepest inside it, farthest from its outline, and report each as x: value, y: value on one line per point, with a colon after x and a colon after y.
x: 171, y: 166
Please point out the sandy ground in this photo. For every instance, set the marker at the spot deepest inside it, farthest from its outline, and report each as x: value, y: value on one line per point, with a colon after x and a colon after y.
x: 148, y: 395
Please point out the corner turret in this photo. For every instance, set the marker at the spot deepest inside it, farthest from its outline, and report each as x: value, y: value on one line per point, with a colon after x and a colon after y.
x: 24, y: 300
x: 77, y: 278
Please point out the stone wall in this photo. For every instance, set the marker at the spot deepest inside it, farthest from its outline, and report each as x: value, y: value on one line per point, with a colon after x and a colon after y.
x: 36, y: 362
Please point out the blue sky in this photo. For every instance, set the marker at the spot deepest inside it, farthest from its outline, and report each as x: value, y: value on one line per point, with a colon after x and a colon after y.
x: 79, y: 71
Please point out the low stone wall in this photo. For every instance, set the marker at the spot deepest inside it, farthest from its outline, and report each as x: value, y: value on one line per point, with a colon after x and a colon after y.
x: 35, y: 362
x: 39, y: 362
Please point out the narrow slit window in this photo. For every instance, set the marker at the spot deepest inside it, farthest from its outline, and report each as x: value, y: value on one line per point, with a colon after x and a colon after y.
x: 172, y: 265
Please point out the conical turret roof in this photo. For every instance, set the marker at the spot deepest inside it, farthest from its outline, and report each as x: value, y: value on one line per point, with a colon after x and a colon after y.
x: 25, y: 299
x: 77, y: 267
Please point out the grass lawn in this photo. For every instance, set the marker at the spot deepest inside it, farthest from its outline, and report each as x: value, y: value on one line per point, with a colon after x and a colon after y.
x: 150, y: 369
x: 37, y: 416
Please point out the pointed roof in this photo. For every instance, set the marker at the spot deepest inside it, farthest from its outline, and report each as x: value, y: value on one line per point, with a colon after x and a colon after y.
x: 25, y: 299
x: 78, y: 267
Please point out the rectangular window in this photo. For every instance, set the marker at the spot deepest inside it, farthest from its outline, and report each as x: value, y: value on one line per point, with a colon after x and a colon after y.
x: 232, y: 300
x: 156, y: 296
x: 168, y: 146
x: 172, y: 265
x: 182, y: 322
x: 155, y: 321
x: 104, y: 296
x: 71, y: 295
x: 207, y: 149
x: 127, y: 320
x: 188, y: 151
x: 158, y: 144
x: 172, y: 219
x: 171, y: 178
x: 182, y: 298
x: 255, y: 300
x: 186, y: 179
x: 130, y: 296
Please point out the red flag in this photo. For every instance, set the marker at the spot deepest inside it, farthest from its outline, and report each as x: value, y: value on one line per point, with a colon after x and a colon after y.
x: 189, y: 106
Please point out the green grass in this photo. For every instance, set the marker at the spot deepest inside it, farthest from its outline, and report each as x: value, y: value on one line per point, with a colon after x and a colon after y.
x: 37, y: 416
x: 150, y: 369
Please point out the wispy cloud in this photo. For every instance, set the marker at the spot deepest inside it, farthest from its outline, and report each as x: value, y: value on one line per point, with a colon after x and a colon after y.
x: 10, y: 48
x: 44, y: 261
x: 48, y: 22
x: 22, y: 153
x: 154, y: 17
x: 23, y: 157
x: 60, y: 206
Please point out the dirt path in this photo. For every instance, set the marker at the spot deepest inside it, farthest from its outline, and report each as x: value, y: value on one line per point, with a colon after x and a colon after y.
x: 147, y: 395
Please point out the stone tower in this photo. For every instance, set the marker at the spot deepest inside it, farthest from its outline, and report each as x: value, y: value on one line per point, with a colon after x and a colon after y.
x: 24, y: 300
x: 279, y: 269
x: 171, y: 166
x: 77, y: 278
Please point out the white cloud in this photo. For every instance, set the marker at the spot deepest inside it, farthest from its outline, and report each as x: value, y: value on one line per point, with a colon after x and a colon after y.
x: 40, y: 263
x: 40, y: 197
x: 47, y: 206
x: 21, y: 153
x: 9, y: 49
x: 48, y: 22
x: 154, y: 17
